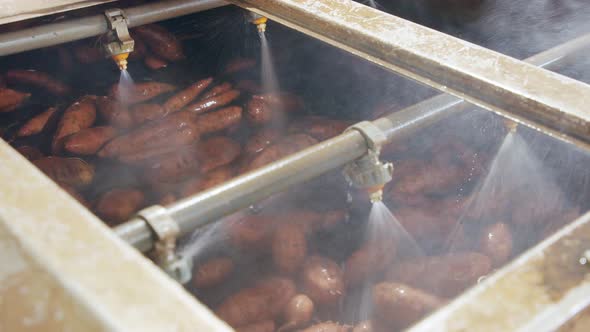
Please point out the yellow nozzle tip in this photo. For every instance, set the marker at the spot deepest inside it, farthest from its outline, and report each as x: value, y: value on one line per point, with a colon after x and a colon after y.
x: 510, y: 125
x: 121, y: 60
x: 261, y: 20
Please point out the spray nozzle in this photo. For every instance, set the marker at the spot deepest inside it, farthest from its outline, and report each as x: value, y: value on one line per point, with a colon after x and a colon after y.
x: 510, y: 125
x: 368, y: 172
x: 259, y: 21
x: 119, y: 43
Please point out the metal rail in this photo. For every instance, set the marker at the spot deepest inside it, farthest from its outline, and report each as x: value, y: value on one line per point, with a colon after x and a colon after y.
x: 213, y: 204
x: 76, y: 29
x: 488, y: 79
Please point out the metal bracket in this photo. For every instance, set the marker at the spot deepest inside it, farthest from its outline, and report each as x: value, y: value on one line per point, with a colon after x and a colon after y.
x: 368, y: 172
x: 166, y: 231
x: 119, y: 41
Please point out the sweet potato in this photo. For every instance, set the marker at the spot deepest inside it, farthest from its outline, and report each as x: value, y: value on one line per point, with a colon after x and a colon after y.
x: 209, y: 104
x: 496, y: 243
x: 258, y: 112
x: 185, y: 96
x: 297, y: 313
x: 445, y: 276
x: 286, y: 146
x: 10, y: 99
x: 216, y: 90
x: 371, y: 259
x: 38, y: 79
x: 400, y: 305
x: 320, y: 128
x: 282, y: 101
x: 161, y: 42
x: 30, y: 152
x: 217, y: 151
x: 88, y: 141
x: 251, y: 232
x: 141, y: 113
x: 212, y: 272
x: 260, y: 140
x: 265, y: 301
x: 113, y: 112
x: 80, y: 115
x: 153, y: 62
x: 327, y: 327
x: 71, y: 171
x: 37, y: 124
x: 154, y: 135
x: 173, y: 166
x: 323, y: 280
x: 289, y: 247
x: 219, y: 120
x: 118, y: 205
x: 139, y: 92
x: 75, y: 194
x: 239, y: 64
x: 264, y: 326
x: 206, y: 181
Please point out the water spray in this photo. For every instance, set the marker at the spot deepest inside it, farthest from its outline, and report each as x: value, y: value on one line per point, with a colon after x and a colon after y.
x: 368, y: 172
x: 119, y: 43
x: 259, y: 21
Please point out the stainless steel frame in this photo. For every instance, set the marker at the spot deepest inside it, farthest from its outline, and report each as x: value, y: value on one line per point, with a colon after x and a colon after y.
x: 76, y: 29
x: 203, y: 208
x: 488, y: 79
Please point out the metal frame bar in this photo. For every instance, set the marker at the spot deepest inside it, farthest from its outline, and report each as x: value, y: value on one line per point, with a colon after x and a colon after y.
x: 213, y: 204
x: 485, y: 78
x: 76, y: 29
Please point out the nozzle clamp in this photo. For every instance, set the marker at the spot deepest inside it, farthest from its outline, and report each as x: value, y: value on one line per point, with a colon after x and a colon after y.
x: 166, y: 231
x: 119, y: 41
x: 368, y: 172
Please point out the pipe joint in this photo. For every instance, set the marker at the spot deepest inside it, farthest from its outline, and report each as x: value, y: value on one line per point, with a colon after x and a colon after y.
x: 369, y: 172
x: 167, y: 232
x: 119, y: 42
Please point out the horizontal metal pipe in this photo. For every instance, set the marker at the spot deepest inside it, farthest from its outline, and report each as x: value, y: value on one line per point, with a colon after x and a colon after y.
x: 76, y: 29
x: 213, y: 204
x: 483, y: 77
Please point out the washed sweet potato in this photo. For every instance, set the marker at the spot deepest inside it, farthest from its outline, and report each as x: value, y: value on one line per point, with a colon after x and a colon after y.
x: 71, y: 171
x: 238, y: 65
x: 154, y: 135
x: 161, y: 42
x: 139, y: 92
x: 265, y: 301
x: 153, y: 62
x: 217, y: 151
x: 37, y: 124
x: 38, y: 79
x: 496, y: 243
x: 260, y: 140
x: 209, y: 104
x: 10, y: 99
x: 264, y: 326
x: 282, y: 101
x: 212, y: 272
x: 217, y: 90
x: 289, y: 247
x: 173, y: 166
x: 113, y: 112
x: 318, y: 127
x: 286, y: 146
x: 251, y: 232
x: 258, y: 112
x: 88, y: 141
x: 80, y: 115
x: 371, y: 259
x: 445, y: 276
x: 323, y: 280
x: 297, y: 313
x: 219, y: 120
x: 207, y: 180
x: 185, y: 96
x: 400, y: 305
x: 118, y: 205
x: 141, y: 113
x: 30, y: 152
